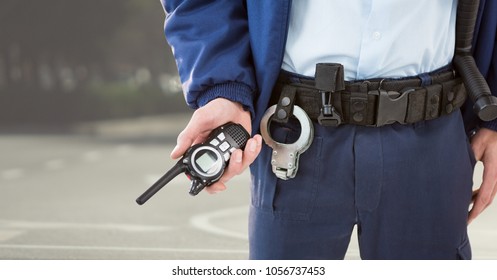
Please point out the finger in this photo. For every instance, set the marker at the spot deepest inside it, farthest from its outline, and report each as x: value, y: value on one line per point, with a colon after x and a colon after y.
x: 484, y: 195
x: 239, y: 161
x: 235, y: 167
x: 477, y: 147
x: 216, y: 188
x: 252, y: 150
x: 477, y: 151
x: 242, y: 159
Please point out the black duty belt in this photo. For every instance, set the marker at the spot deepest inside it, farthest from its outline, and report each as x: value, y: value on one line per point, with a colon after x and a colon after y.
x: 329, y: 100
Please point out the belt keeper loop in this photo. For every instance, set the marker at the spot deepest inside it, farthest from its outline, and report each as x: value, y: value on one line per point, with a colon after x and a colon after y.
x: 433, y: 101
x: 358, y: 107
x: 284, y: 108
x: 329, y: 78
x: 426, y: 79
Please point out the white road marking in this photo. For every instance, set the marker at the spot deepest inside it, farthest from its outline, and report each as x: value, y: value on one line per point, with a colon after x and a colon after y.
x: 130, y: 249
x: 26, y: 225
x: 203, y: 222
x: 12, y: 174
x: 9, y: 234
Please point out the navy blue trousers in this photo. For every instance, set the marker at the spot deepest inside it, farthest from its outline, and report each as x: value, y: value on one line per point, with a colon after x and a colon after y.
x: 406, y: 187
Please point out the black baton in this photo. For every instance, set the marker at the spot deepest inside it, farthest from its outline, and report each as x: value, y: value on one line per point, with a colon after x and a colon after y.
x: 485, y: 104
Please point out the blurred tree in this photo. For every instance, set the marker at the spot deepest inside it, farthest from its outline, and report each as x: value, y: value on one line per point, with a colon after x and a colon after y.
x: 90, y: 35
x: 106, y: 52
x: 59, y: 32
x: 140, y: 41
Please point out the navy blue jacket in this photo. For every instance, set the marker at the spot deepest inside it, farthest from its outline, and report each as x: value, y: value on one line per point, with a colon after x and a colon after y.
x: 234, y: 49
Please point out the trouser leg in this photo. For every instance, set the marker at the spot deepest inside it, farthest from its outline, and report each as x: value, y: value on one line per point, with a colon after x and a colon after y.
x: 312, y: 215
x: 424, y: 191
x: 407, y: 187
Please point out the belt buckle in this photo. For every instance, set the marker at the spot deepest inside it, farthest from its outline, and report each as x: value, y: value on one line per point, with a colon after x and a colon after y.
x: 392, y: 106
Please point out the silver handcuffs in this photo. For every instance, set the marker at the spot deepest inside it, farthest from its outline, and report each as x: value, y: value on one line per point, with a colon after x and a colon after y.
x: 285, y: 158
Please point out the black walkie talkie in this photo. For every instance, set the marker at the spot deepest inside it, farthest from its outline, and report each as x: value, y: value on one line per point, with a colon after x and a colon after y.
x: 204, y: 163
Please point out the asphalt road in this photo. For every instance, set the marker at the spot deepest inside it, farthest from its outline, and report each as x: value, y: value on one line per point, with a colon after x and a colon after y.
x: 72, y: 196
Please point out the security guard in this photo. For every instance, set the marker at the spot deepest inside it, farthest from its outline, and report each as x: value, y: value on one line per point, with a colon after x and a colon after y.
x: 389, y: 150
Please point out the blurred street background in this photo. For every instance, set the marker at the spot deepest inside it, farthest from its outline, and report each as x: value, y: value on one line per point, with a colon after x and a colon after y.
x: 67, y: 61
x: 90, y: 107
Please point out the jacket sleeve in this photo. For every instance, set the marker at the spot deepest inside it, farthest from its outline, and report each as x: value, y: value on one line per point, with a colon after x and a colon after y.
x: 210, y: 43
x: 485, y: 48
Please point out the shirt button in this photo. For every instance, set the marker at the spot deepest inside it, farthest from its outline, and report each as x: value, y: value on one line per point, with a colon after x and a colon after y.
x: 376, y: 35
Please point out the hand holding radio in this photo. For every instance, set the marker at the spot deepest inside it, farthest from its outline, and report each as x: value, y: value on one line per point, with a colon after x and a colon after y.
x: 205, y: 152
x: 204, y: 163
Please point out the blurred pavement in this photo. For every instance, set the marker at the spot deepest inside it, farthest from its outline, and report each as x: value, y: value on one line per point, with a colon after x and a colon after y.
x: 72, y: 196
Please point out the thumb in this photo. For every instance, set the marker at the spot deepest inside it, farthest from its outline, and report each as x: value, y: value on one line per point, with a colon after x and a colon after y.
x: 186, y: 139
x: 183, y: 142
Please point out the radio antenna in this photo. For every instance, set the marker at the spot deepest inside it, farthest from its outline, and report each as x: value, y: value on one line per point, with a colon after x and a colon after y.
x: 177, y: 169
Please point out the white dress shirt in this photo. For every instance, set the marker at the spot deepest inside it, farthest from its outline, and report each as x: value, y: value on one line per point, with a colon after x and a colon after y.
x: 371, y: 38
